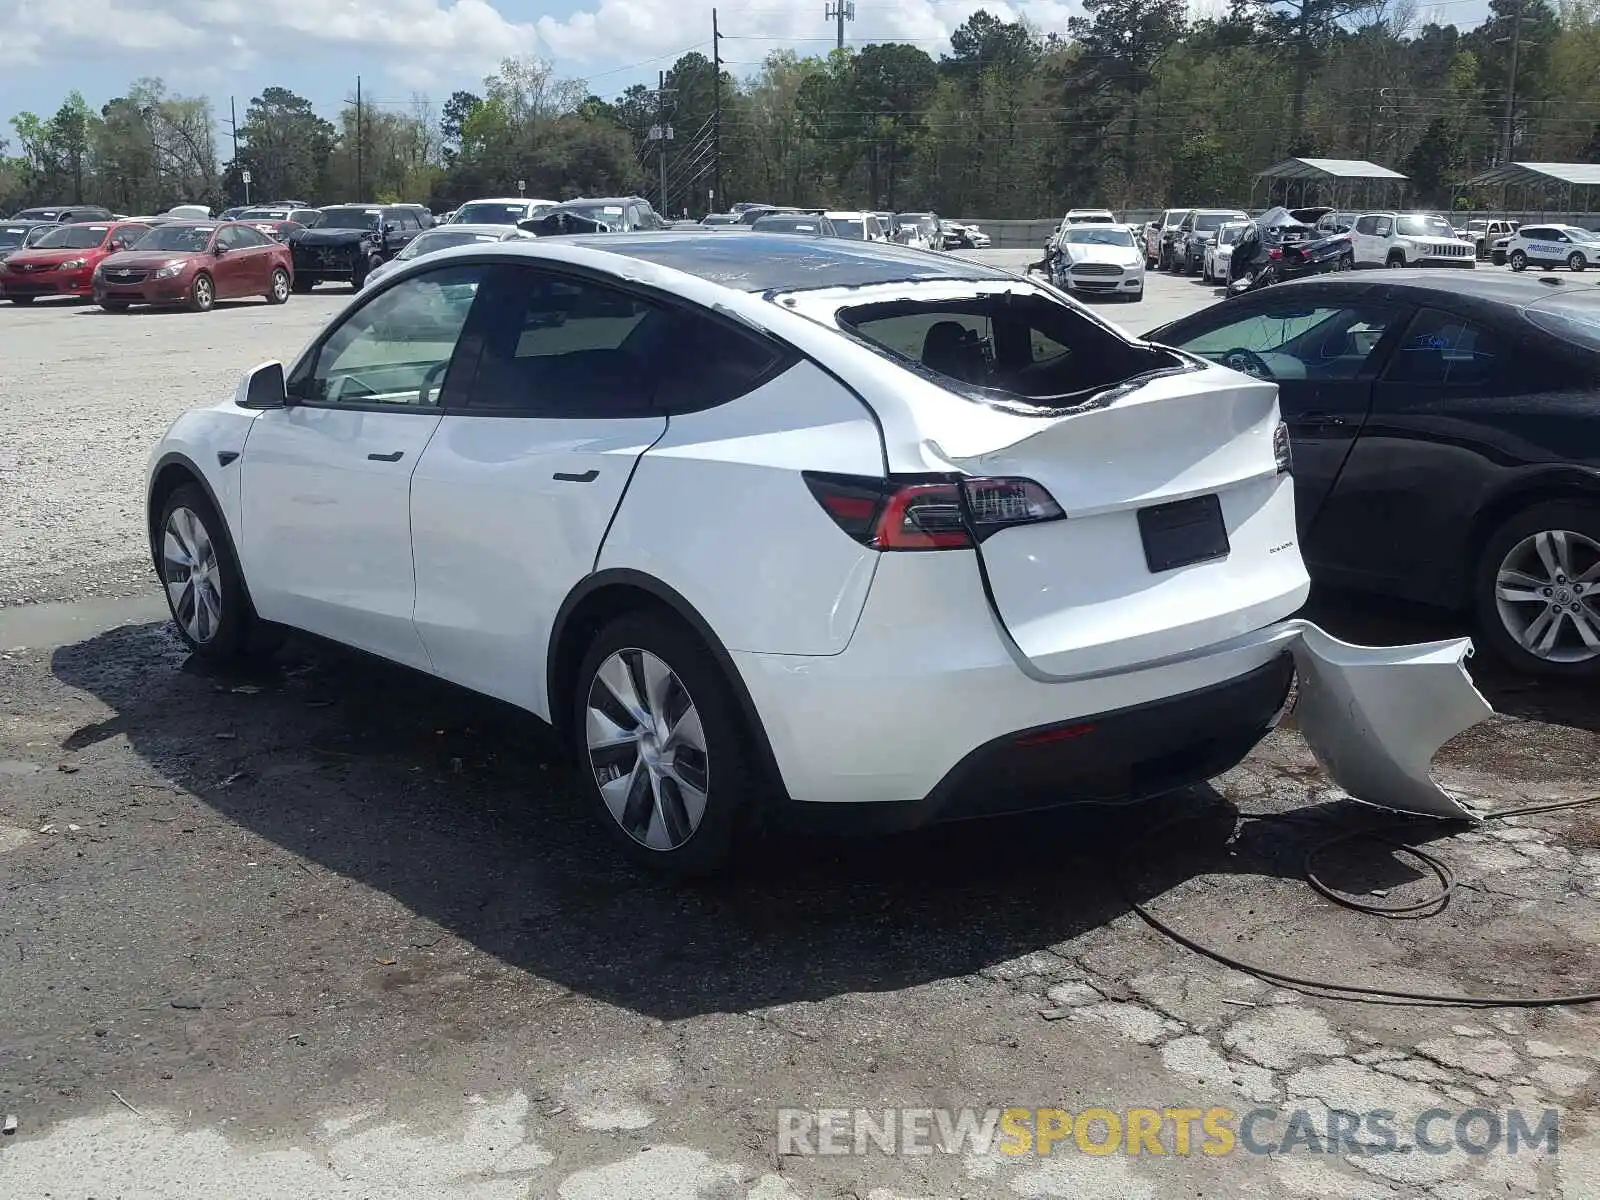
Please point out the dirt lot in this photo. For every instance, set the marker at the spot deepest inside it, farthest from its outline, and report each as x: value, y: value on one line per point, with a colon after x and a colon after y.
x: 333, y: 930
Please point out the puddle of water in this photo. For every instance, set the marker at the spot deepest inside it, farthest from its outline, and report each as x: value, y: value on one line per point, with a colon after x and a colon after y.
x: 48, y: 626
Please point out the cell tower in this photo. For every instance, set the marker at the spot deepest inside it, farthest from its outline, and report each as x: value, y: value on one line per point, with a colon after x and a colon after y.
x: 841, y: 11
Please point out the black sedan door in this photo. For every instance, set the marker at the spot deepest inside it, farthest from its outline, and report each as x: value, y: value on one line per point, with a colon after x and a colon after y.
x: 1322, y: 350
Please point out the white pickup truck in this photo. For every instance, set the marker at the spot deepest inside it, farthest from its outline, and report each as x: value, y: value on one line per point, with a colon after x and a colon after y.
x: 1388, y: 239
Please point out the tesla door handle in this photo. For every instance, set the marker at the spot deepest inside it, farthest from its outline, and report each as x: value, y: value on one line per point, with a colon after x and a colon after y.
x: 1319, y: 418
x: 396, y: 456
x: 568, y: 477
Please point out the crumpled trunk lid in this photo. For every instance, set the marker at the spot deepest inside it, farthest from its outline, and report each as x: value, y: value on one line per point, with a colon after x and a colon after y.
x: 1178, y: 532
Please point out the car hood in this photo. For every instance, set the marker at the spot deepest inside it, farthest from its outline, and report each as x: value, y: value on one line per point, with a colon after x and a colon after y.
x: 1088, y: 252
x: 330, y: 237
x: 148, y: 260
x: 50, y: 258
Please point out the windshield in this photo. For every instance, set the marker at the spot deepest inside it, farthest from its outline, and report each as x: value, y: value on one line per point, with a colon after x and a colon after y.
x: 432, y: 243
x: 73, y: 237
x: 847, y: 228
x: 1229, y: 234
x: 1080, y: 235
x: 1206, y: 222
x: 787, y: 225
x: 925, y: 224
x: 1092, y: 219
x: 263, y: 214
x: 191, y: 239
x: 480, y: 213
x: 606, y: 214
x: 1426, y: 225
x: 1583, y: 235
x: 1173, y: 219
x: 1477, y: 226
x: 348, y: 218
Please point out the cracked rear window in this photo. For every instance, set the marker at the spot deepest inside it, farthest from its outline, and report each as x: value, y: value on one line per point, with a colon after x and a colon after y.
x: 1009, y: 345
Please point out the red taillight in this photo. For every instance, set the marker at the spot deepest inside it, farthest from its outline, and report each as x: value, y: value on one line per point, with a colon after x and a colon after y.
x: 1275, y: 252
x: 929, y: 513
x: 1065, y: 734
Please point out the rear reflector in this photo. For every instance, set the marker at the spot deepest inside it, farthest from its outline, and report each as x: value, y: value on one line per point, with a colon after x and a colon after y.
x: 1065, y: 734
x: 939, y: 512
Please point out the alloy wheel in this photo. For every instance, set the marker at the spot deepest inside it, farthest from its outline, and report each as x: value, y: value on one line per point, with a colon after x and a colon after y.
x: 647, y: 749
x: 189, y: 570
x: 1546, y: 591
x: 280, y: 286
x: 203, y: 295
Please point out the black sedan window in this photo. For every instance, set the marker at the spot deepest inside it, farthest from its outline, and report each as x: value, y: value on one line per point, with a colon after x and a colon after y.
x: 1328, y: 341
x: 1442, y: 349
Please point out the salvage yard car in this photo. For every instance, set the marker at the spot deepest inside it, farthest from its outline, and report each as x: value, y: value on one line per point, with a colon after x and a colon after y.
x: 1390, y: 239
x: 348, y: 241
x: 431, y: 241
x: 1552, y: 246
x: 195, y: 264
x: 62, y: 262
x: 917, y: 455
x: 1196, y: 233
x: 1103, y: 259
x: 1444, y: 441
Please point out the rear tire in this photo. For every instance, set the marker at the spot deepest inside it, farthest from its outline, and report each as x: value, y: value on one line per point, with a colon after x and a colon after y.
x: 279, y: 287
x: 1514, y: 589
x: 663, y: 746
x: 205, y: 591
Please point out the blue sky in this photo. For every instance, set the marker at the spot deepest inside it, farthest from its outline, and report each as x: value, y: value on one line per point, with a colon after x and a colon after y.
x: 220, y: 48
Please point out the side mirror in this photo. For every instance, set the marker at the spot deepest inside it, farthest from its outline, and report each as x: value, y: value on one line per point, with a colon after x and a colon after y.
x: 263, y: 387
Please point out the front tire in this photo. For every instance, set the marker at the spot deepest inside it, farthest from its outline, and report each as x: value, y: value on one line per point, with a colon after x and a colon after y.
x: 23, y: 299
x: 1395, y: 262
x: 202, y: 294
x: 1576, y: 261
x: 303, y: 284
x: 363, y: 268
x: 1519, y: 261
x: 663, y: 745
x: 279, y: 287
x: 205, y: 591
x: 114, y: 306
x: 1537, y: 590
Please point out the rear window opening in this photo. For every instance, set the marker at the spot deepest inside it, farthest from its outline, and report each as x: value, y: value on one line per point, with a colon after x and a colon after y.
x: 1008, y: 346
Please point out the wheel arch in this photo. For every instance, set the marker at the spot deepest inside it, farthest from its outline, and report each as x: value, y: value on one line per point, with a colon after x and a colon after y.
x: 1564, y: 483
x: 171, y: 472
x: 607, y: 594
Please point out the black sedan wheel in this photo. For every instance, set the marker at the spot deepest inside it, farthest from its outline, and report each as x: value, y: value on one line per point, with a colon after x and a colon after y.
x: 1538, y: 590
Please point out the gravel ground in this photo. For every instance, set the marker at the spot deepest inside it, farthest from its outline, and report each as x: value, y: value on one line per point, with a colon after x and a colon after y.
x: 332, y: 930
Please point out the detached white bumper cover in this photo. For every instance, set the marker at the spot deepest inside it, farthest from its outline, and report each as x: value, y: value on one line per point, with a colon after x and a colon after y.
x: 1376, y: 716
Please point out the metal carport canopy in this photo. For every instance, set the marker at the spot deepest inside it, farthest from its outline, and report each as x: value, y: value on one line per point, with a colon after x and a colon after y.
x: 1530, y: 174
x: 1328, y: 168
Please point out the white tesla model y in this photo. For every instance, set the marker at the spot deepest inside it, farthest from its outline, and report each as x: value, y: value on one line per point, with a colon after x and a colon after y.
x: 770, y: 524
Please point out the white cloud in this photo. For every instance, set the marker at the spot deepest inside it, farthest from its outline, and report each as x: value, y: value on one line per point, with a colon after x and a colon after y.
x: 470, y: 35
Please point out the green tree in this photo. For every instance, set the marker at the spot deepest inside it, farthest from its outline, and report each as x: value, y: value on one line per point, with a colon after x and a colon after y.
x: 286, y: 146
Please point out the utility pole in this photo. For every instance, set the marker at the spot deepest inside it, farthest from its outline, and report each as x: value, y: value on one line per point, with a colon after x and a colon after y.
x: 360, y: 191
x: 840, y: 11
x: 716, y: 114
x: 1511, y: 84
x: 661, y: 134
x: 233, y: 128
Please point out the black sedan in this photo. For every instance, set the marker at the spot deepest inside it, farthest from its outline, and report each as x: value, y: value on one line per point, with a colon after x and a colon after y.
x: 1445, y: 432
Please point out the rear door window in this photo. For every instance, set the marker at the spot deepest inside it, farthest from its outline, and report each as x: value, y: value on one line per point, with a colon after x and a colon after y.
x: 1027, y: 347
x: 1443, y: 350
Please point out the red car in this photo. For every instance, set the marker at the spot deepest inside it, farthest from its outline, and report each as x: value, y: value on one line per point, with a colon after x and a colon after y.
x: 63, y: 261
x: 196, y: 263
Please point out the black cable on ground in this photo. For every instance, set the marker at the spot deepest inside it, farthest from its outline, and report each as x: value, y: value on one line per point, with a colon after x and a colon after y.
x: 1430, y: 906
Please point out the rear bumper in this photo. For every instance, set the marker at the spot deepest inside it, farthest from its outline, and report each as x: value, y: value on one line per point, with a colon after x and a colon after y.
x: 925, y: 716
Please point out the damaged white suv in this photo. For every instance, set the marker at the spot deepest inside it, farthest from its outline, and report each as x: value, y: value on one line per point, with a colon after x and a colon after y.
x: 770, y: 525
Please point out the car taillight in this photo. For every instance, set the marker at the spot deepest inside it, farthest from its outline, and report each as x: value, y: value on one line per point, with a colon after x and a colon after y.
x: 1281, y: 451
x: 1275, y: 252
x: 929, y: 512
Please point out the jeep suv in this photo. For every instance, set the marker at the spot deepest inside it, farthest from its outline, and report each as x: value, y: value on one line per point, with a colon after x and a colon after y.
x: 1389, y: 239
